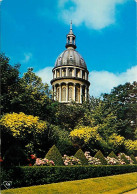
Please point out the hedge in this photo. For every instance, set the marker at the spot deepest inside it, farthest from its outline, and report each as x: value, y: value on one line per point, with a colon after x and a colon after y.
x: 39, y: 175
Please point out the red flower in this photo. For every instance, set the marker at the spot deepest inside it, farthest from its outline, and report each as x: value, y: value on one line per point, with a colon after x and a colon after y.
x: 33, y: 156
x: 1, y: 159
x: 30, y: 164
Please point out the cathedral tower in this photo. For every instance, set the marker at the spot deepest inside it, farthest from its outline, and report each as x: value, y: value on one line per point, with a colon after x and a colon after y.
x: 70, y: 74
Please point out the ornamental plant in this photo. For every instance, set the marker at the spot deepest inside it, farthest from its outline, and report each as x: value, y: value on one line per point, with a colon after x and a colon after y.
x: 80, y: 155
x: 71, y: 160
x: 112, y: 155
x: 55, y: 155
x: 44, y: 162
x: 92, y: 160
x: 101, y: 157
x: 112, y: 161
x: 126, y: 159
x: 133, y: 159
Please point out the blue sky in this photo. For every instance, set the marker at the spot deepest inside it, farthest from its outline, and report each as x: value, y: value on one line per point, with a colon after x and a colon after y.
x: 33, y: 33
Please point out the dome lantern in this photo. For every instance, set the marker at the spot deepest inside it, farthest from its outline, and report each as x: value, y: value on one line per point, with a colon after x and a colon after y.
x: 71, y: 38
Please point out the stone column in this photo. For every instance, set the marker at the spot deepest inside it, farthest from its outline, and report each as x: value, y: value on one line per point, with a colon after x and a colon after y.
x: 74, y: 72
x: 74, y: 92
x: 55, y: 93
x: 60, y: 72
x: 66, y: 92
x: 80, y: 73
x: 67, y: 71
x: 59, y: 92
x: 80, y: 93
x: 86, y: 93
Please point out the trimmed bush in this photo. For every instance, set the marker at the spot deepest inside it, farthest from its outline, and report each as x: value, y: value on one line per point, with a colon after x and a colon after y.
x: 80, y: 155
x: 133, y: 158
x: 112, y: 155
x: 101, y: 157
x: 39, y: 175
x: 54, y: 155
x: 124, y: 158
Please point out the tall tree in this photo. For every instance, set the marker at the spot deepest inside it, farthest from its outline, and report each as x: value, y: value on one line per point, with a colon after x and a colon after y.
x: 123, y: 103
x: 9, y: 82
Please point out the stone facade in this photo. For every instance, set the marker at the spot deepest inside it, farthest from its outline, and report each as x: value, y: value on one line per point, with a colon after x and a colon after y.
x: 70, y: 75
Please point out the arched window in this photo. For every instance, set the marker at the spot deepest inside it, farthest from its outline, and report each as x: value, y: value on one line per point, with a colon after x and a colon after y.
x: 64, y: 94
x: 70, y: 93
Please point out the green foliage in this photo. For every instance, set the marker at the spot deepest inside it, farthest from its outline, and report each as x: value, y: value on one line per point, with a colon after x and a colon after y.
x: 60, y: 137
x: 40, y: 175
x: 9, y: 84
x: 133, y: 158
x: 112, y: 155
x: 100, y: 156
x: 15, y: 156
x: 124, y: 159
x: 80, y: 155
x: 68, y: 117
x: 54, y: 154
x: 122, y: 102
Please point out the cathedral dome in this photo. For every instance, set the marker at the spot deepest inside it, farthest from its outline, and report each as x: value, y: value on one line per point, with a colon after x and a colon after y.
x: 70, y: 57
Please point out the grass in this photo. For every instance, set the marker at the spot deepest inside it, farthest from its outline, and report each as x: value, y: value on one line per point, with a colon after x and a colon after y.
x: 106, y: 185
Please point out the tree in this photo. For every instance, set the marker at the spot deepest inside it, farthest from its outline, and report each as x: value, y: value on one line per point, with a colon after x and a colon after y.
x: 9, y: 83
x: 122, y: 102
x: 27, y: 130
x: 32, y: 96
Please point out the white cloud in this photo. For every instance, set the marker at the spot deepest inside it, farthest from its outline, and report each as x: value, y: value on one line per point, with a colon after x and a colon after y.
x: 27, y: 57
x: 96, y: 14
x: 104, y: 81
x: 45, y: 74
x: 100, y: 81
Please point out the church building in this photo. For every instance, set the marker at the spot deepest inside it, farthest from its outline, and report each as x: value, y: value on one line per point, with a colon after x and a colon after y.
x: 70, y: 74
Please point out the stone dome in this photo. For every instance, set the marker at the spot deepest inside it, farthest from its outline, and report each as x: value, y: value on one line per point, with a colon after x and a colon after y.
x: 70, y: 57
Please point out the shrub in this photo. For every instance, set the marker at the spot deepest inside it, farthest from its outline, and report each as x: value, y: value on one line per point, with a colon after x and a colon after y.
x: 43, y: 162
x: 100, y: 156
x: 80, y: 155
x: 124, y: 158
x: 92, y: 160
x: 71, y: 160
x: 15, y: 156
x: 133, y: 159
x: 112, y: 155
x: 112, y: 161
x: 54, y: 155
x: 39, y: 175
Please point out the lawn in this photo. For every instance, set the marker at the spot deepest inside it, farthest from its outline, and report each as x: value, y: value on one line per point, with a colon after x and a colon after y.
x: 109, y: 184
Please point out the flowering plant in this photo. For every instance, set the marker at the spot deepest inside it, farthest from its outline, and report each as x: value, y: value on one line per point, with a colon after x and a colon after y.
x: 92, y: 160
x: 112, y: 161
x: 44, y: 162
x: 71, y: 160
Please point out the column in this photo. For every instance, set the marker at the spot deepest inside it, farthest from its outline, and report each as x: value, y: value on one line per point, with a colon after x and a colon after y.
x: 66, y: 92
x: 80, y: 73
x: 55, y: 93
x: 60, y: 73
x: 55, y: 73
x: 67, y: 71
x: 86, y: 93
x: 80, y: 93
x: 85, y: 75
x: 74, y: 72
x: 59, y: 92
x: 74, y: 92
